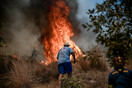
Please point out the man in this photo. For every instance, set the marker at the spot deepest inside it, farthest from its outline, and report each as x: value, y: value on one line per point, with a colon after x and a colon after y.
x: 64, y: 63
x: 120, y: 78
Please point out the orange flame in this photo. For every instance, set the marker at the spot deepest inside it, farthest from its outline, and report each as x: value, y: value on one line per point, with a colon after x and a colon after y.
x: 60, y: 31
x: 15, y: 56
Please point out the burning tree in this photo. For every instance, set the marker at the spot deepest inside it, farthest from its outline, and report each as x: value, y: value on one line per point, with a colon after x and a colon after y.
x: 111, y: 21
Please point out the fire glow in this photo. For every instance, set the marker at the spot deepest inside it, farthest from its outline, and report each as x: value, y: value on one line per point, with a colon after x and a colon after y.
x: 59, y: 31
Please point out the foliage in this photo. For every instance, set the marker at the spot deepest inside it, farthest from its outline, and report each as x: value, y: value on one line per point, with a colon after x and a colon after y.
x: 72, y: 82
x: 111, y: 21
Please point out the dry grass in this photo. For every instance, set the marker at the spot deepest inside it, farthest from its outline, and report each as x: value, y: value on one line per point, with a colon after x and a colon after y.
x: 92, y: 78
x: 93, y: 64
x: 92, y: 70
x: 5, y: 63
x: 52, y: 84
x: 24, y: 73
x: 84, y: 65
x: 20, y: 75
x: 93, y: 60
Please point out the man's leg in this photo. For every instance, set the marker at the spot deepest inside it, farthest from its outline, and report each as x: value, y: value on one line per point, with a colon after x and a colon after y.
x: 68, y: 68
x: 60, y: 77
x: 69, y: 75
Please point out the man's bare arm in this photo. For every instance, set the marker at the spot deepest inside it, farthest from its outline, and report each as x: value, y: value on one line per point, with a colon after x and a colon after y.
x: 73, y: 54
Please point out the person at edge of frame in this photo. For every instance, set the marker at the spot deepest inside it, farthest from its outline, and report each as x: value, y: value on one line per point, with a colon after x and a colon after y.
x: 120, y: 77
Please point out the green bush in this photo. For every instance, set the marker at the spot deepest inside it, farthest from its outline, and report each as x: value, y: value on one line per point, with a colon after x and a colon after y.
x: 72, y: 82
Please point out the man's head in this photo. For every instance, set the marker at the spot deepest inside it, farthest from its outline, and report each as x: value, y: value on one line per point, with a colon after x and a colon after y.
x: 119, y: 62
x: 67, y: 44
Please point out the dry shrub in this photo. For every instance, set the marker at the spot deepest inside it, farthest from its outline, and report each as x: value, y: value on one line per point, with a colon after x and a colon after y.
x: 98, y: 64
x: 49, y: 76
x: 93, y: 64
x: 92, y: 78
x: 20, y: 75
x: 5, y: 64
x: 44, y: 73
x: 97, y: 61
x: 93, y: 60
x: 84, y: 65
x: 40, y: 72
x: 53, y: 69
x: 95, y: 79
x: 26, y: 73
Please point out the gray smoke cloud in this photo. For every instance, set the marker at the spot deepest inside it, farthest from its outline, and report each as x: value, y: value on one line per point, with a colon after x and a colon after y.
x: 24, y: 21
x: 83, y: 38
x: 87, y: 39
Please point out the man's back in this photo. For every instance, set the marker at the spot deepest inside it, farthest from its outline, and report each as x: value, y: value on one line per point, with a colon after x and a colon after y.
x: 64, y: 55
x: 121, y: 79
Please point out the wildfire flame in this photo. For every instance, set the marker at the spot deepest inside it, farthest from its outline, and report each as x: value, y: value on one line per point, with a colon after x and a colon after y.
x: 15, y: 56
x: 58, y: 31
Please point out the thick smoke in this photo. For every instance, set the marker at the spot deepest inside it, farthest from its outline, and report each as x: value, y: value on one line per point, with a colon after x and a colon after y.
x: 74, y: 6
x: 84, y: 39
x: 87, y: 38
x: 24, y: 20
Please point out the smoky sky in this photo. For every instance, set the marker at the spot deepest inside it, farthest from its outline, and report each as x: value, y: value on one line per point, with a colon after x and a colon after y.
x: 87, y: 39
x: 26, y: 20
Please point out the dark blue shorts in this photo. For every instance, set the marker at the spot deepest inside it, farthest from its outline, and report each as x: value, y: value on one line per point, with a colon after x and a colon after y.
x: 65, y: 67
